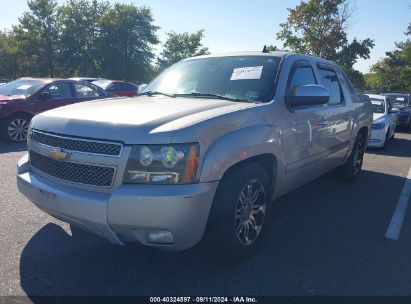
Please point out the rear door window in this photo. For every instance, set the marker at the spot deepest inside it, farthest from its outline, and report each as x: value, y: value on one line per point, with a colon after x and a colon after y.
x: 329, y: 79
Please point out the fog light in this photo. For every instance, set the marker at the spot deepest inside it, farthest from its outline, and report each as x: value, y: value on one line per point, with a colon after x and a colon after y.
x: 160, y: 237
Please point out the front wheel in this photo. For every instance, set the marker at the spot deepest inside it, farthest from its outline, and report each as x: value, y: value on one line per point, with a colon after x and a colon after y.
x: 238, y: 216
x: 15, y: 128
x: 352, y: 167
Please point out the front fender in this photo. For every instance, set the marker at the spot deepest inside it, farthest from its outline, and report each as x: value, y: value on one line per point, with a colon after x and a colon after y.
x: 236, y: 146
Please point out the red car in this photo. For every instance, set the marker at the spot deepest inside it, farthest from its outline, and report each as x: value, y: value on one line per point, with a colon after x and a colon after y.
x: 23, y: 98
x: 119, y: 88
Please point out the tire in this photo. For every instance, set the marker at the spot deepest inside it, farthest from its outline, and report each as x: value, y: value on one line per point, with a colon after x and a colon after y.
x: 387, y: 139
x: 352, y: 167
x: 240, y: 208
x: 15, y: 128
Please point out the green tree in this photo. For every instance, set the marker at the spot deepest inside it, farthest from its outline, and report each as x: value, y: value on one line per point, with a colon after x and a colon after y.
x: 127, y: 37
x: 393, y: 72
x: 79, y: 22
x: 180, y: 46
x: 37, y: 34
x: 319, y: 28
x: 8, y: 55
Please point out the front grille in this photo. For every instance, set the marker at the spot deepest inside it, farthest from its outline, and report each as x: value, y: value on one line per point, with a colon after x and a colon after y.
x: 73, y: 172
x: 88, y: 146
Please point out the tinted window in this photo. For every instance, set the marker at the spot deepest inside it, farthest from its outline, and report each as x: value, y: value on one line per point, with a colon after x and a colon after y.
x: 302, y: 74
x: 83, y: 90
x: 353, y: 93
x: 60, y: 91
x: 116, y: 86
x: 329, y: 79
x: 238, y: 77
x: 129, y: 87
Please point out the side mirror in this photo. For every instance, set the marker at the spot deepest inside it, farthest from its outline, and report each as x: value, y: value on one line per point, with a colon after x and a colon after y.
x: 308, y: 95
x: 44, y: 96
x: 364, y: 98
x: 394, y: 110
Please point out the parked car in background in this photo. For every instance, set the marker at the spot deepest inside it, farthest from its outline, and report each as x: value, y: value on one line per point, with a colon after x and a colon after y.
x: 119, y: 88
x: 3, y: 81
x: 203, y: 153
x: 384, y: 121
x: 402, y: 101
x: 23, y: 98
x: 87, y: 79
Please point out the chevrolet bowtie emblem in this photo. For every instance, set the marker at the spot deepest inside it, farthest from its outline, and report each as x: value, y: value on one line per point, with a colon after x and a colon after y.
x: 58, y: 154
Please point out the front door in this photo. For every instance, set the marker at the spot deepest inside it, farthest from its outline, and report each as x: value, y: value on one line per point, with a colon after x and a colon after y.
x: 304, y: 132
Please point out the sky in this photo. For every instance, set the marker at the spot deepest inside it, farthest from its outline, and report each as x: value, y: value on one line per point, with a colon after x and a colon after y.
x: 244, y: 25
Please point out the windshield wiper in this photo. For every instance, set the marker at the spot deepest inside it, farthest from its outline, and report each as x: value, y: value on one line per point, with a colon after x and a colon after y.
x: 151, y: 93
x: 198, y: 94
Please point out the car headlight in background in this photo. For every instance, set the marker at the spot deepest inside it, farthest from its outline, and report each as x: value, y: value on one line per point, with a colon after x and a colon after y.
x: 162, y: 164
x: 378, y: 126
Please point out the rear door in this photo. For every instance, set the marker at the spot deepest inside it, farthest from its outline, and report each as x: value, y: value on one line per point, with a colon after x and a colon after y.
x: 339, y: 116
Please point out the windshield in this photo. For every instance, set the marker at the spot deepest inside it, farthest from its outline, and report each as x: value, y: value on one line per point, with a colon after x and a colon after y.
x: 399, y: 100
x: 21, y: 87
x: 237, y: 78
x: 378, y: 105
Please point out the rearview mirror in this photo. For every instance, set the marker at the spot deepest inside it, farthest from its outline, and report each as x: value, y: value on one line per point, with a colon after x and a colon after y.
x: 44, y: 96
x: 308, y: 95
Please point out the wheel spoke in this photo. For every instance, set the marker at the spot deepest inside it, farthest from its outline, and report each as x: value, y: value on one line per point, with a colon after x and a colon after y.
x: 249, y: 191
x: 246, y: 231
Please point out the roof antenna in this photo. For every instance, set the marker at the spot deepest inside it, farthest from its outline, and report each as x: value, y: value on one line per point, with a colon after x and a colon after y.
x: 265, y: 50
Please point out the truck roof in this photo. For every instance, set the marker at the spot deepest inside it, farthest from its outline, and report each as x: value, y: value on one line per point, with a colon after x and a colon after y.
x: 268, y: 54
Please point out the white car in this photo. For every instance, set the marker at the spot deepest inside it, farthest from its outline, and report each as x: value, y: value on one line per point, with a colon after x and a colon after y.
x: 384, y: 121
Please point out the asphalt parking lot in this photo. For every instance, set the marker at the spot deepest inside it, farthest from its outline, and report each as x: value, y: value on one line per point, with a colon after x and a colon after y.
x: 326, y: 238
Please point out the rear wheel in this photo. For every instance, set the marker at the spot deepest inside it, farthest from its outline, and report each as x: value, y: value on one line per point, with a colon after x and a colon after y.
x: 15, y: 128
x: 352, y: 167
x: 238, y: 216
x: 387, y: 139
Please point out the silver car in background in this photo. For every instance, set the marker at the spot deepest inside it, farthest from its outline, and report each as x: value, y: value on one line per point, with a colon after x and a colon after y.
x: 204, y: 150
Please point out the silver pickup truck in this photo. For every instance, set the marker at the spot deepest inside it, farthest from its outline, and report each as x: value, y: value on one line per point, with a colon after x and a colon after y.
x: 204, y: 150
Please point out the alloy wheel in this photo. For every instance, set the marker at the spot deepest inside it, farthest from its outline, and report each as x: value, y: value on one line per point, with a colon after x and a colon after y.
x: 17, y: 129
x: 358, y: 157
x: 250, y: 212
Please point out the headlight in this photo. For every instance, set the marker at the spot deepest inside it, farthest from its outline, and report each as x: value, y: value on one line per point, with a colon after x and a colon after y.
x: 378, y: 126
x: 162, y: 164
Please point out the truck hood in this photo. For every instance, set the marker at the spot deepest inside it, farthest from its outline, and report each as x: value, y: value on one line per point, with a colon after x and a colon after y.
x: 133, y: 120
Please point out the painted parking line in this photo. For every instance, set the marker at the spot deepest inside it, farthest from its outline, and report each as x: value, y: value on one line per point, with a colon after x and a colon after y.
x: 394, y: 229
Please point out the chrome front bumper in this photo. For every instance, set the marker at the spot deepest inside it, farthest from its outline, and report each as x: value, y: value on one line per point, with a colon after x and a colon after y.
x: 132, y: 213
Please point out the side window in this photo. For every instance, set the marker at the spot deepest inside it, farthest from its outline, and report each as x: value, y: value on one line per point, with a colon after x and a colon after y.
x: 115, y: 86
x: 353, y: 93
x: 60, y: 91
x: 83, y: 90
x: 330, y: 80
x: 302, y: 74
x: 129, y: 87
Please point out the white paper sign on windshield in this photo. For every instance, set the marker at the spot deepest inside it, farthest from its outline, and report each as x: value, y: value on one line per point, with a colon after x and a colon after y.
x: 247, y: 73
x: 400, y: 98
x: 24, y: 87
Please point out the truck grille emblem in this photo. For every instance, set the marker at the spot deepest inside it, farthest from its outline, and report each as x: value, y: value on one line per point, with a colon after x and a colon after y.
x: 58, y: 154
